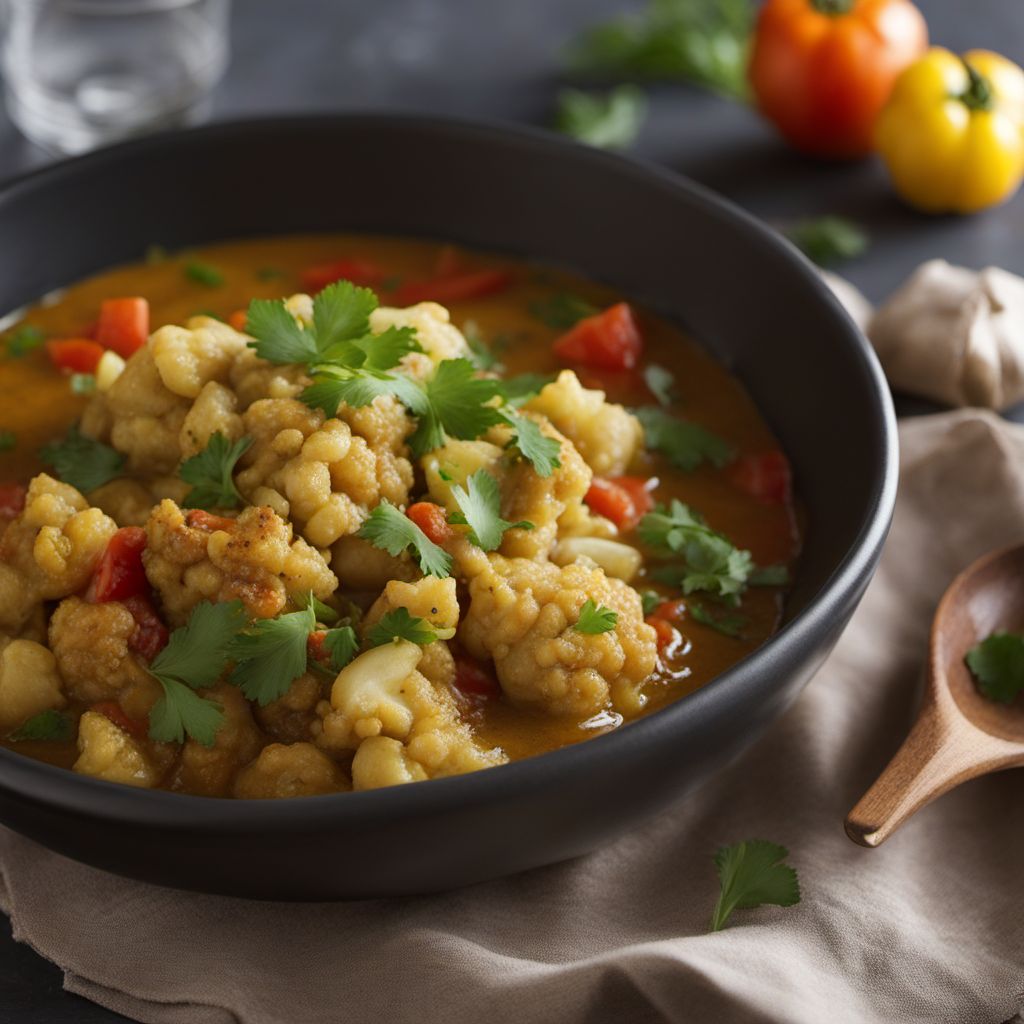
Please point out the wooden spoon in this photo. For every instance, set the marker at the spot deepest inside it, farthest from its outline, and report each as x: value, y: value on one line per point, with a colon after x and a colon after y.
x: 959, y: 734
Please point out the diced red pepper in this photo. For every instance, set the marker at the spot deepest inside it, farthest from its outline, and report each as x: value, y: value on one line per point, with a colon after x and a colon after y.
x: 315, y: 647
x: 472, y: 679
x: 112, y: 710
x: 75, y: 355
x: 766, y: 476
x: 667, y: 634
x: 669, y: 611
x: 199, y: 519
x: 431, y: 519
x: 120, y: 572
x: 453, y: 288
x: 361, y: 272
x: 238, y: 319
x: 609, y: 340
x: 12, y: 500
x: 624, y: 499
x: 151, y: 635
x: 123, y: 325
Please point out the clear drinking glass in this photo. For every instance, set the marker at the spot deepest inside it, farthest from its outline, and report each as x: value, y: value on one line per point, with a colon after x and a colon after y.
x: 79, y: 73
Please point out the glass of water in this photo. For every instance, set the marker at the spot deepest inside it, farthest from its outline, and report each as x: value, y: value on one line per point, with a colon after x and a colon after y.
x: 80, y: 73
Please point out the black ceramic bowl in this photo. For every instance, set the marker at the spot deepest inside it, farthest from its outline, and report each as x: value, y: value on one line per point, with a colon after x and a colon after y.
x: 740, y: 290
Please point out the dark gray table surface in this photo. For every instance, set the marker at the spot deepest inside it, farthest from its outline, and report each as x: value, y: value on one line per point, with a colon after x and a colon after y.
x: 490, y: 59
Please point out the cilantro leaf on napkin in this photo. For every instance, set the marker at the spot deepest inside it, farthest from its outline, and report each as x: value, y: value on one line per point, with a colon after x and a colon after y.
x: 752, y: 874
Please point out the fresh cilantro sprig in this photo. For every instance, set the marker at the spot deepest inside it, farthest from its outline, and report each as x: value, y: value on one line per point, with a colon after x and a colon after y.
x: 997, y: 664
x: 271, y: 654
x: 480, y: 509
x: 400, y: 625
x: 195, y: 657
x: 595, y: 618
x: 610, y: 120
x: 727, y: 624
x: 341, y: 644
x: 47, y: 725
x: 80, y: 461
x: 321, y: 612
x: 392, y: 531
x: 211, y: 474
x: 684, y: 444
x: 751, y: 874
x: 524, y: 386
x: 543, y: 453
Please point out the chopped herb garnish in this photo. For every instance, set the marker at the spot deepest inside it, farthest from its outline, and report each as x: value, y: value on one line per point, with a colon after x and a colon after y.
x: 769, y: 576
x: 997, y: 664
x: 341, y: 644
x: 203, y: 273
x: 83, y: 463
x: 47, y: 725
x: 611, y: 120
x: 321, y: 612
x: 542, y: 452
x: 269, y: 274
x: 562, y: 310
x: 24, y: 340
x: 481, y: 354
x: 520, y: 389
x: 659, y: 382
x: 400, y: 625
x: 394, y: 532
x: 194, y: 658
x: 595, y: 618
x: 480, y: 510
x: 650, y: 599
x: 684, y: 444
x: 752, y: 874
x: 210, y: 473
x: 828, y: 240
x: 727, y: 624
x: 8, y: 440
x: 82, y: 383
x: 271, y: 654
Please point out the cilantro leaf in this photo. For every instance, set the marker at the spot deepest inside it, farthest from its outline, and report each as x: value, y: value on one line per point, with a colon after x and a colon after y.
x: 480, y: 510
x: 197, y: 653
x: 659, y: 382
x: 595, y: 618
x: 181, y: 712
x: 521, y: 388
x: 321, y: 612
x: 24, y: 340
x: 341, y: 312
x: 543, y: 452
x: 728, y: 625
x: 481, y: 354
x: 8, y: 440
x: 562, y: 310
x: 828, y: 240
x: 210, y: 472
x: 336, y: 385
x: 650, y: 599
x: 684, y: 444
x: 47, y: 725
x: 203, y: 273
x: 392, y: 531
x: 769, y: 576
x: 83, y: 463
x: 400, y: 625
x: 608, y: 121
x: 997, y: 664
x: 386, y: 350
x: 751, y: 874
x: 271, y: 654
x: 279, y: 337
x: 342, y: 645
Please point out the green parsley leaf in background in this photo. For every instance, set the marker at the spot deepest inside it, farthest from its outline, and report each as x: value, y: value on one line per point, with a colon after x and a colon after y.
x: 342, y: 644
x: 321, y: 612
x: 204, y: 274
x: 271, y: 654
x: 47, y: 725
x: 562, y: 310
x: 211, y: 474
x: 480, y: 510
x: 392, y: 531
x: 610, y: 120
x: 751, y: 874
x: 544, y: 453
x: 80, y: 461
x: 595, y: 618
x: 828, y: 240
x: 400, y: 625
x: 997, y: 664
x: 684, y: 444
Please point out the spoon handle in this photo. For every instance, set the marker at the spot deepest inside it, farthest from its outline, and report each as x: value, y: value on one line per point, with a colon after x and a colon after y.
x: 939, y: 754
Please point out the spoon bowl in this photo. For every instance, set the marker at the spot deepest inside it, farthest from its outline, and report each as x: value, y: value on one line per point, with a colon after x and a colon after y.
x: 959, y: 733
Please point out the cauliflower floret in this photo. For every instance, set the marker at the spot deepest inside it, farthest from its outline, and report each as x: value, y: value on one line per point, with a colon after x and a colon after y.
x: 107, y: 752
x: 522, y: 615
x: 297, y: 769
x: 290, y: 717
x: 127, y: 502
x: 253, y: 378
x: 211, y: 413
x: 381, y: 427
x: 381, y: 693
x: 187, y: 358
x: 606, y: 435
x: 209, y: 771
x: 361, y: 566
x: 91, y: 643
x: 29, y: 682
x: 50, y: 549
x: 254, y: 558
x: 381, y: 761
x: 439, y: 338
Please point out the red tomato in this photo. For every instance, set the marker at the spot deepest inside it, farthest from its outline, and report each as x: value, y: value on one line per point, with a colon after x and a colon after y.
x: 669, y: 611
x: 361, y: 272
x: 821, y: 70
x: 609, y: 340
x: 238, y: 319
x: 112, y: 710
x: 199, y: 519
x: 667, y: 634
x: 431, y: 519
x: 12, y: 500
x: 75, y: 355
x: 472, y: 679
x: 472, y: 285
x: 315, y: 647
x: 123, y: 325
x: 766, y: 477
x: 150, y: 636
x: 120, y: 573
x: 624, y: 499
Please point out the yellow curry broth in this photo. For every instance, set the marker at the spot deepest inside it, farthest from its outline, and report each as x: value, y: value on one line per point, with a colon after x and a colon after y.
x: 38, y: 405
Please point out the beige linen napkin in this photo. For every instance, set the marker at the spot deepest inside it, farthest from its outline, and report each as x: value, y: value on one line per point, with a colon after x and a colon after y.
x: 930, y: 928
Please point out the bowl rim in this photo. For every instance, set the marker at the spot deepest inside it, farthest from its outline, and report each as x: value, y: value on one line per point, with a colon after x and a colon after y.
x: 25, y: 779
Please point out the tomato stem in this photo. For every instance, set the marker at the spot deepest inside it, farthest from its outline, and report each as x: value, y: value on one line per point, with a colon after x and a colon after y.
x: 833, y: 8
x: 978, y: 94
